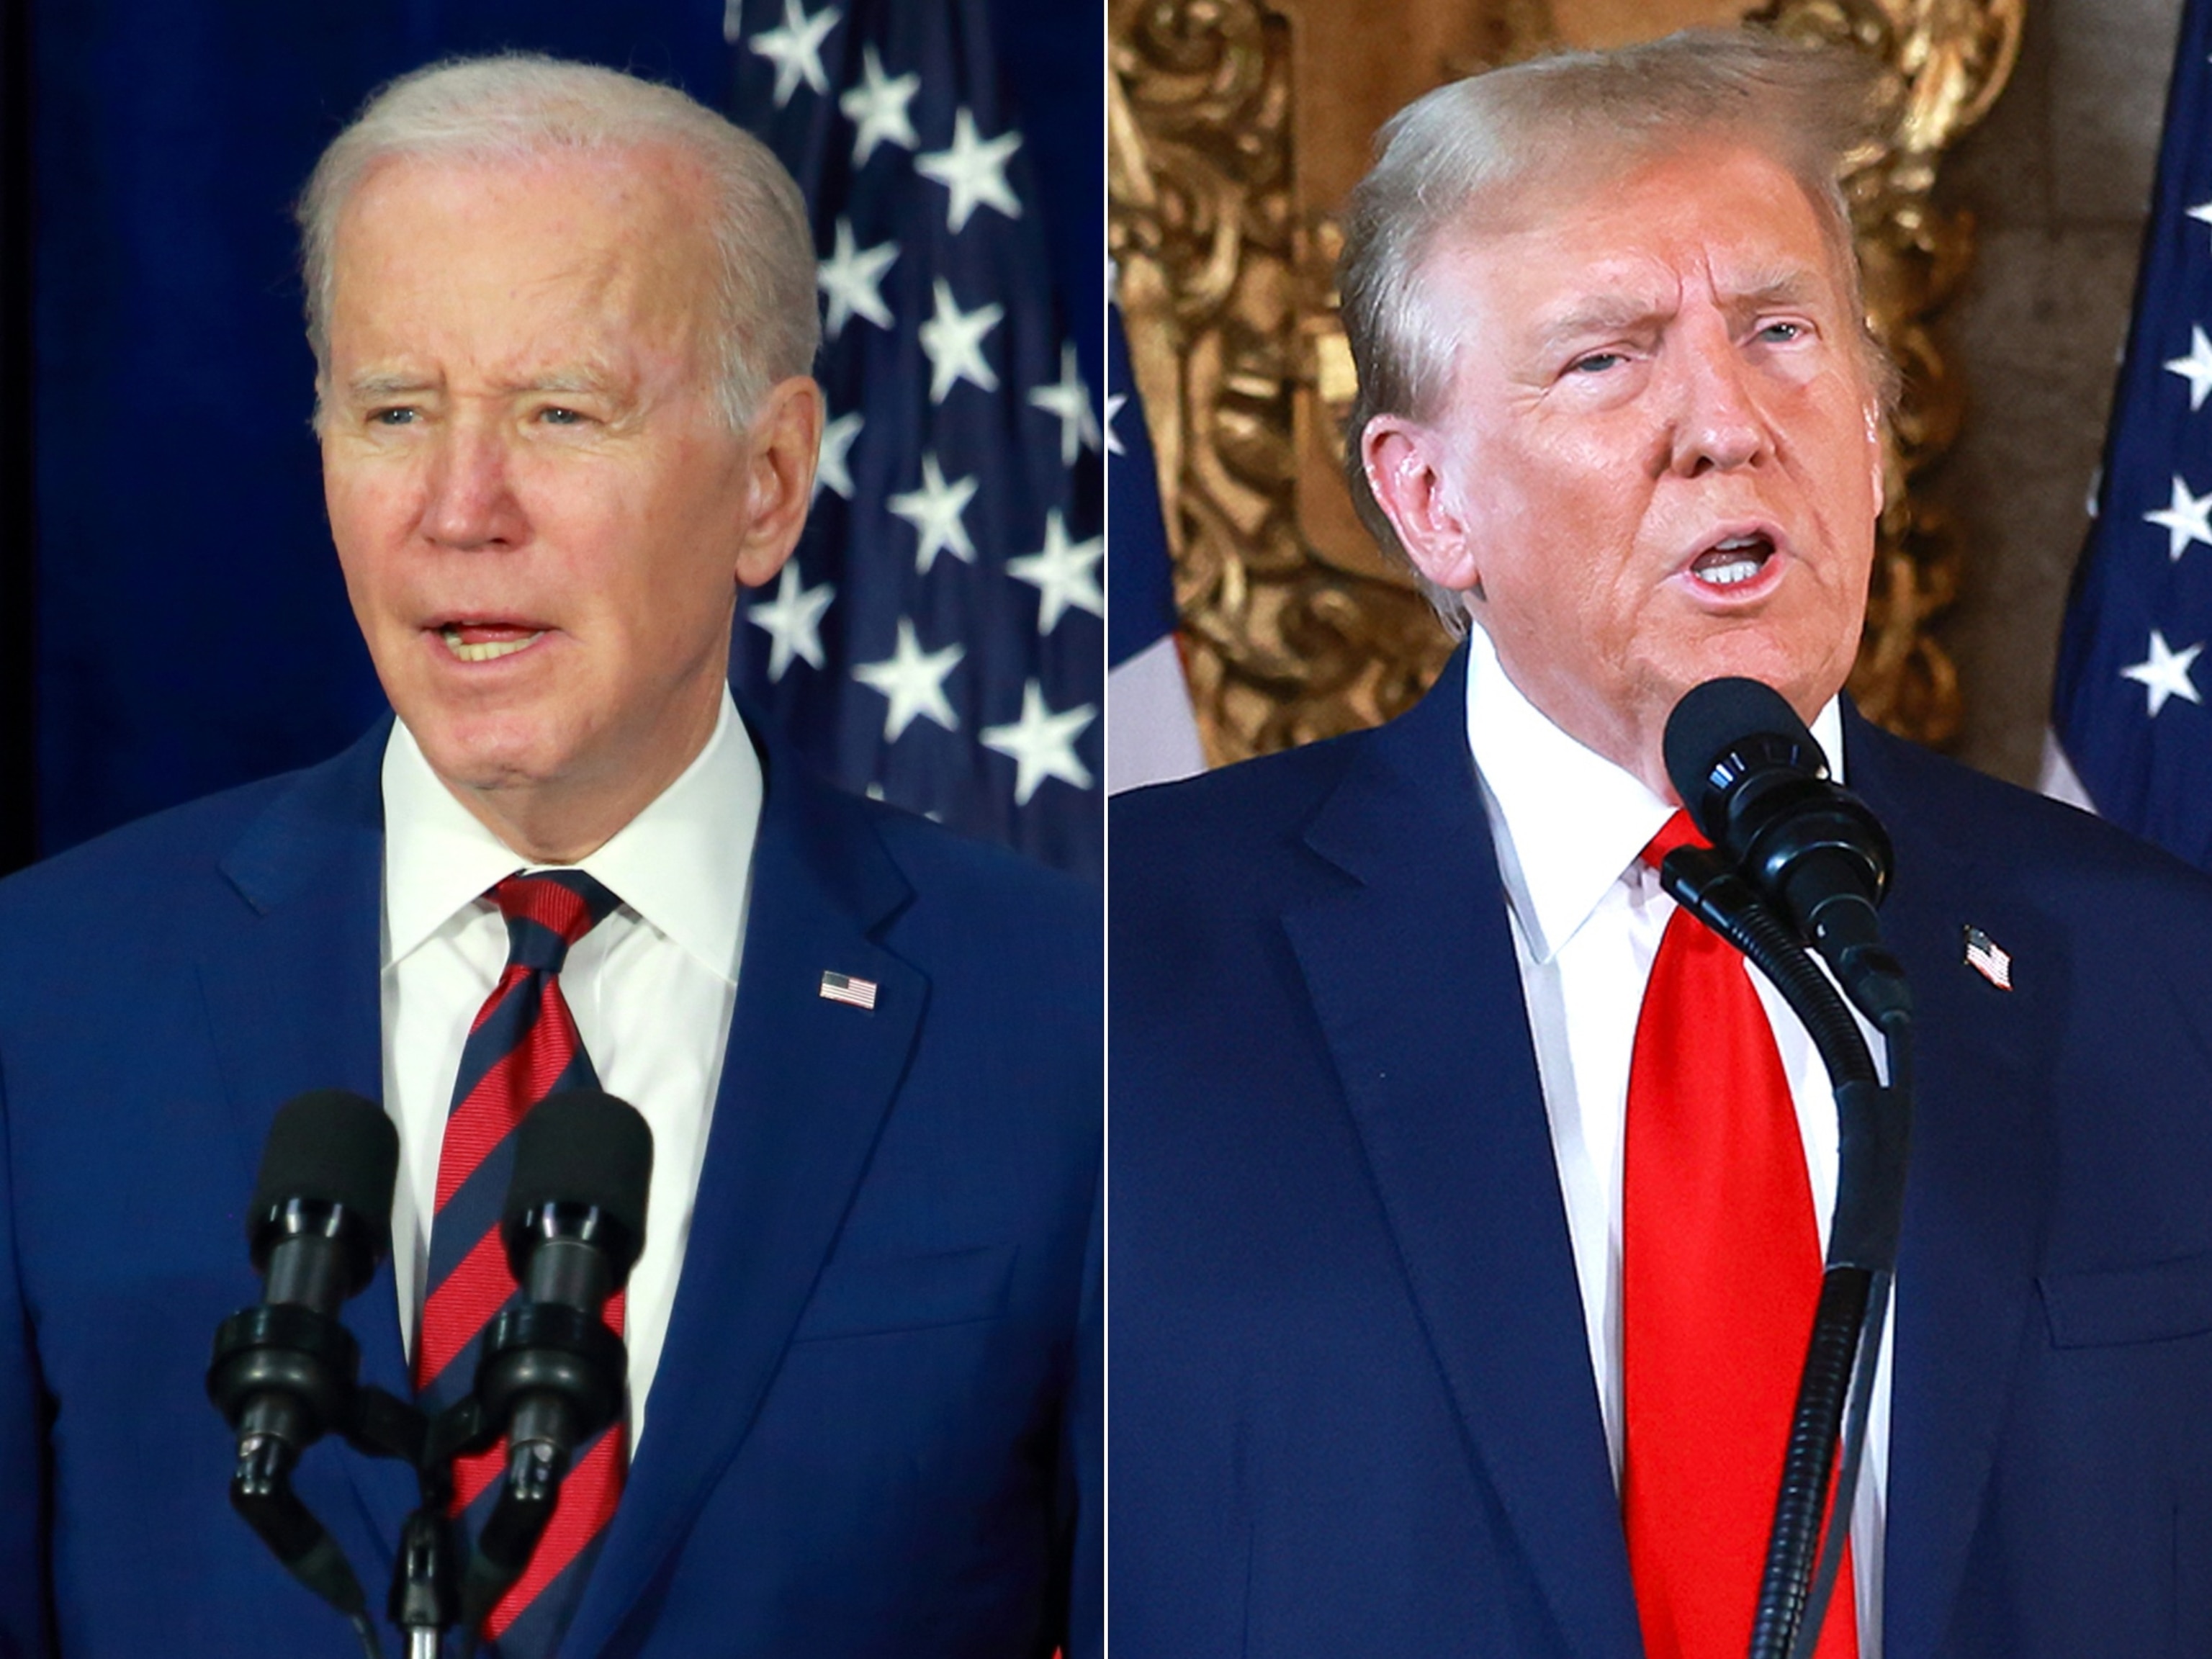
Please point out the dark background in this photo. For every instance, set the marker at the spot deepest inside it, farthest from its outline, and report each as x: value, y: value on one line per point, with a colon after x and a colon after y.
x: 172, y: 618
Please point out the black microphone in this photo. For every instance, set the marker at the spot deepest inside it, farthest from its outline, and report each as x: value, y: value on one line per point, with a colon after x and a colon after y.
x: 283, y: 1372
x: 1757, y: 784
x: 551, y: 1374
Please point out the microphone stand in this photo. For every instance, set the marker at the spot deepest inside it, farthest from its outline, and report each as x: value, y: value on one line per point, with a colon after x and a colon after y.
x: 311, y: 1357
x: 426, y: 1599
x: 1873, y: 1124
x: 550, y: 1371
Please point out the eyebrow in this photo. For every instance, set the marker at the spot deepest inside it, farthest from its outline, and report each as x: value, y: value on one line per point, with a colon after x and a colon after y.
x: 370, y: 388
x: 1597, y: 314
x: 1613, y: 313
x: 1789, y: 285
x: 583, y: 381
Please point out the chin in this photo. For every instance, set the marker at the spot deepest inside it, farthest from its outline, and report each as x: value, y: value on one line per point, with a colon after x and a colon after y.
x: 1804, y: 682
x: 488, y: 755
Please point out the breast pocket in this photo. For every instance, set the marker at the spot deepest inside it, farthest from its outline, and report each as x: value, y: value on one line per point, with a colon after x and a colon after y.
x: 902, y: 1293
x: 2161, y: 1302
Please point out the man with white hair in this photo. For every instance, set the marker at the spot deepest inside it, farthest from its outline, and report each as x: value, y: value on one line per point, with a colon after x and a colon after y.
x: 563, y: 321
x: 1467, y: 1196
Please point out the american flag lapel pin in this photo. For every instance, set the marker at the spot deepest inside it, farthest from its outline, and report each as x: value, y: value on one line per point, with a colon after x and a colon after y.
x: 848, y: 988
x: 1983, y: 955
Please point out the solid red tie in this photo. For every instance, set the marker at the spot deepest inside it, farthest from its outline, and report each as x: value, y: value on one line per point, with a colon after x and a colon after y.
x: 523, y: 1048
x: 1720, y: 1270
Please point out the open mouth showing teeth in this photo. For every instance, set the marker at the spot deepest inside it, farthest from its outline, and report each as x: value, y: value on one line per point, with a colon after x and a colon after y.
x: 1738, y: 559
x: 486, y: 650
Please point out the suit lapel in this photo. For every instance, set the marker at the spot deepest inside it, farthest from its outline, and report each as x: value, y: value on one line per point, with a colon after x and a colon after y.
x: 1449, y: 1111
x: 1412, y: 976
x: 805, y: 1085
x: 1974, y: 1194
x: 290, y: 974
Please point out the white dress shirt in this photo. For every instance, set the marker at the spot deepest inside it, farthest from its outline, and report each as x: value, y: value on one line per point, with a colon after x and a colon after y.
x: 652, y: 988
x: 1587, y: 914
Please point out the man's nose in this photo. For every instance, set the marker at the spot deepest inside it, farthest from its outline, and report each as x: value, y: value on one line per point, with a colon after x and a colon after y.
x: 1718, y: 422
x: 470, y: 500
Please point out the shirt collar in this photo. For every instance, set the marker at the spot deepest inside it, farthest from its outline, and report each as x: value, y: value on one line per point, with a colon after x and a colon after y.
x: 683, y: 864
x: 1568, y: 822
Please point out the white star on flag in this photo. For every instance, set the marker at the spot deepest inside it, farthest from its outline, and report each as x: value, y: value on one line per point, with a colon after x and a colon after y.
x: 1064, y: 574
x: 2165, y: 673
x: 1113, y: 402
x: 794, y: 620
x: 852, y: 278
x: 833, y: 470
x: 954, y: 340
x: 1068, y: 400
x: 796, y: 49
x: 914, y: 681
x: 959, y: 487
x: 973, y: 170
x: 877, y: 109
x: 934, y: 510
x: 2110, y: 748
x: 1042, y: 744
x: 2196, y: 368
x: 2186, y: 519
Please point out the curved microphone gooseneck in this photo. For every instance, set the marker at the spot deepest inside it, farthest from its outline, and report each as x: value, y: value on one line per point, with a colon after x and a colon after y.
x: 550, y: 1375
x: 1789, y: 842
x: 285, y: 1371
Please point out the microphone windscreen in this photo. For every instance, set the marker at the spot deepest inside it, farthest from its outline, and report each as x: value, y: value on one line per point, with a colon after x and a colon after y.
x: 583, y: 1147
x: 1715, y: 717
x: 333, y: 1146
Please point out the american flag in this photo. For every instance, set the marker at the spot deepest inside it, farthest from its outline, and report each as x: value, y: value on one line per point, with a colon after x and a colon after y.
x: 1988, y: 958
x: 938, y: 639
x: 2129, y: 710
x: 846, y: 988
x: 1152, y: 736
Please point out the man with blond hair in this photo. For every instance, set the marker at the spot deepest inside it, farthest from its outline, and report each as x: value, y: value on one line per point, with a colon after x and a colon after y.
x: 563, y: 322
x: 1468, y: 1197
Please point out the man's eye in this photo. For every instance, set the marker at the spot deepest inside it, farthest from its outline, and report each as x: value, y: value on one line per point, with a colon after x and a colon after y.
x: 1782, y: 333
x: 401, y: 416
x: 1597, y: 363
x: 558, y: 417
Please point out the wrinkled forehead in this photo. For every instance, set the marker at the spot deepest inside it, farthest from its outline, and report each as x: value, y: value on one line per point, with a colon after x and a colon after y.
x: 1600, y: 233
x: 640, y: 208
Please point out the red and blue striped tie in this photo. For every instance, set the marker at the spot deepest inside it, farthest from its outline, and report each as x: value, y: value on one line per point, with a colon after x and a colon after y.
x: 523, y: 1048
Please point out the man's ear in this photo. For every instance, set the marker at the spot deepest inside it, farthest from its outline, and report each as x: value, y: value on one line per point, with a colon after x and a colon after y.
x: 1405, y: 467
x: 1881, y: 483
x: 782, y: 443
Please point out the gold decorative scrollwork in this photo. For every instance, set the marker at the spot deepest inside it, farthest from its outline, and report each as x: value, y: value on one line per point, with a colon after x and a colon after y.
x: 1222, y: 182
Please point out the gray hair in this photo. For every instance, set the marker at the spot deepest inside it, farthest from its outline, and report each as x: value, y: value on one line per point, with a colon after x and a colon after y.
x: 1466, y: 147
x: 523, y: 107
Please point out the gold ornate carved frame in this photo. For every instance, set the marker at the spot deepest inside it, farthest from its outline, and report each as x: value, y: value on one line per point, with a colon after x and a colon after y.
x: 1237, y: 126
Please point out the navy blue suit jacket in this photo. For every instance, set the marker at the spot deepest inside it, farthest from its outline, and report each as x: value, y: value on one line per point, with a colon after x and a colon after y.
x: 1352, y: 1405
x: 875, y: 1423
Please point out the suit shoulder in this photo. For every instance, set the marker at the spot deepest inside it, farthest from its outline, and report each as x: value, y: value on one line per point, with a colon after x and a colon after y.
x: 1226, y: 816
x: 139, y: 893
x: 929, y: 852
x: 982, y: 890
x: 2036, y: 841
x: 159, y: 855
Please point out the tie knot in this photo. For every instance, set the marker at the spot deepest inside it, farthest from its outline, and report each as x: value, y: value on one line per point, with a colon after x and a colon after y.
x: 1677, y: 831
x: 549, y: 911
